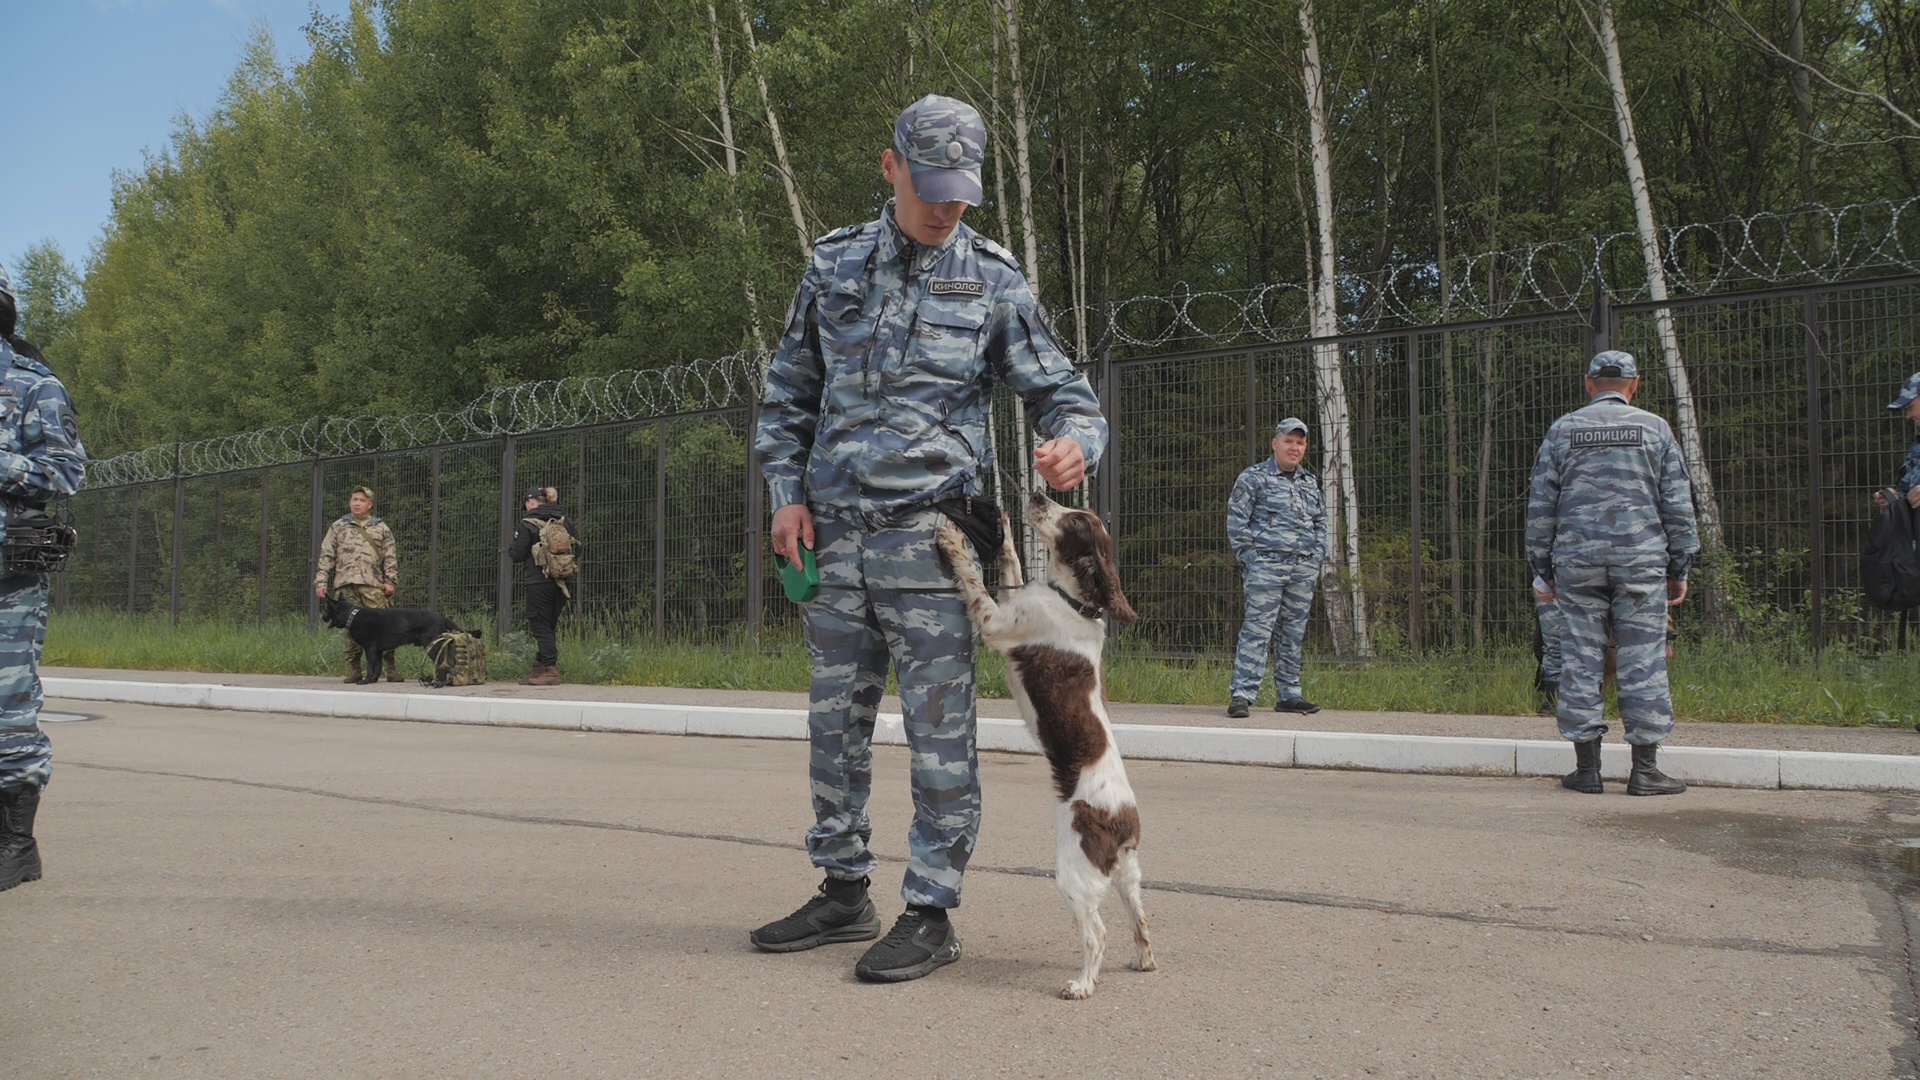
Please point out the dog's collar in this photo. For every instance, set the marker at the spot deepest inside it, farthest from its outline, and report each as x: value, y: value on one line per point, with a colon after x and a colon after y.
x: 351, y: 615
x: 1087, y: 611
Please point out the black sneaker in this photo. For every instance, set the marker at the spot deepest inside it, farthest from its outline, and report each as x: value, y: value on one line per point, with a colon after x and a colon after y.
x: 820, y: 921
x: 1296, y: 705
x: 1238, y: 710
x: 912, y: 949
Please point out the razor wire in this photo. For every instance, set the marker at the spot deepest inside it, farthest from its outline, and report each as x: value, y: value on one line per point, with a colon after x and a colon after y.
x: 1810, y: 245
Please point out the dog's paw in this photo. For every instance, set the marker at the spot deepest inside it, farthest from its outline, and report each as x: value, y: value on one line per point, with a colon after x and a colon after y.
x: 951, y: 546
x: 1145, y: 961
x: 1077, y: 991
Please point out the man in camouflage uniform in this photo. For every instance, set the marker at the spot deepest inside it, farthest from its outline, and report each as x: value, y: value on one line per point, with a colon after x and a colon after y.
x: 1610, y: 533
x: 877, y: 406
x: 1277, y: 524
x: 1907, y: 405
x: 358, y: 565
x: 41, y: 458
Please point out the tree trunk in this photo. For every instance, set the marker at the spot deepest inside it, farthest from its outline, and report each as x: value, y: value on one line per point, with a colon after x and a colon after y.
x: 1691, y: 443
x: 1337, y: 481
x: 782, y: 159
x: 1803, y: 120
x: 733, y: 173
x: 1022, y: 170
x: 999, y: 126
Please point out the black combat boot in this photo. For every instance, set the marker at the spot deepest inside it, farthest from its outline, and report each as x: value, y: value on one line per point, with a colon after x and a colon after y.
x: 1646, y: 777
x: 19, y: 854
x: 1585, y: 777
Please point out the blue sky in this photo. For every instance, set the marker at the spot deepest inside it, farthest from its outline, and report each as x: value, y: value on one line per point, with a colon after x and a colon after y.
x: 92, y: 84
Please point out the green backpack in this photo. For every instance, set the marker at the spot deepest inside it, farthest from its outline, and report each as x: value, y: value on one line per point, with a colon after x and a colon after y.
x: 458, y: 658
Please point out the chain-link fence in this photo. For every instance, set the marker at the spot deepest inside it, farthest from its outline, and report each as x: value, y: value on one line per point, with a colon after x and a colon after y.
x: 1790, y: 386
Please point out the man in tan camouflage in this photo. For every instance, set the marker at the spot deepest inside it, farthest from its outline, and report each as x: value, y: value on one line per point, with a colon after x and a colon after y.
x: 357, y: 560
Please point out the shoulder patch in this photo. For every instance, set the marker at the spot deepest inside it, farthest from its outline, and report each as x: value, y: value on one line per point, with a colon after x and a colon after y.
x: 989, y: 247
x: 1626, y: 435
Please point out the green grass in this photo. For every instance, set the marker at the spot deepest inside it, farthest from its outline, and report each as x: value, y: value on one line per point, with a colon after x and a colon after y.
x: 1723, y: 682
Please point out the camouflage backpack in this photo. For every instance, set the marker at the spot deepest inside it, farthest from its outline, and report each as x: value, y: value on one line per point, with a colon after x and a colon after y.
x: 458, y: 658
x: 555, y: 551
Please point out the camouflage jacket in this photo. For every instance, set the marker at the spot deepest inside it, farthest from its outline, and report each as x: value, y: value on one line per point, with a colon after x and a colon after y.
x: 41, y: 457
x: 1610, y: 488
x: 357, y: 554
x: 879, y: 394
x: 1910, y: 469
x: 1279, y: 512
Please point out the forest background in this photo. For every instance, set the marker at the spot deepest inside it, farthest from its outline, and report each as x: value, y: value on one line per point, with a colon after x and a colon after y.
x: 449, y: 196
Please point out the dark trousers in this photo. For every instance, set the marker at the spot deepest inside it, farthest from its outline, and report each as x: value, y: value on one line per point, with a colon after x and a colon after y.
x: 545, y: 601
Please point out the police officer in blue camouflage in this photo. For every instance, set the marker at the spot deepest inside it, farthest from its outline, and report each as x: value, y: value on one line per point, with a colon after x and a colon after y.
x: 1907, y: 405
x: 1277, y: 524
x: 1611, y: 536
x: 876, y: 408
x: 40, y: 459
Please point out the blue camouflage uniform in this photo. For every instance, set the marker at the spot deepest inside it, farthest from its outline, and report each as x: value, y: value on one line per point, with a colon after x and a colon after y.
x: 1277, y: 524
x: 40, y: 458
x: 1609, y: 522
x: 1910, y: 468
x: 877, y: 404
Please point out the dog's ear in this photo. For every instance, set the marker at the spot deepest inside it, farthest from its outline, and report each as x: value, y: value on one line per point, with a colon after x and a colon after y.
x: 1108, y: 576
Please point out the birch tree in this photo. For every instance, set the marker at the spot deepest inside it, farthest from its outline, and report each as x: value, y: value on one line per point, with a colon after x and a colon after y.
x: 782, y: 160
x: 733, y: 171
x: 1706, y: 504
x: 1336, y: 477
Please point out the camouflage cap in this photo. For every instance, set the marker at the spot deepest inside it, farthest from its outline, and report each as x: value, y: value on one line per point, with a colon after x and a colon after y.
x: 944, y: 144
x: 6, y: 287
x: 1907, y: 393
x: 1613, y: 364
x: 1290, y: 426
x: 361, y: 489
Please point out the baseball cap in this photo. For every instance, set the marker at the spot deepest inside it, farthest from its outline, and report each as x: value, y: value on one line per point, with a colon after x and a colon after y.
x: 1290, y: 425
x: 1613, y: 364
x: 945, y: 144
x: 1907, y: 393
x: 535, y: 493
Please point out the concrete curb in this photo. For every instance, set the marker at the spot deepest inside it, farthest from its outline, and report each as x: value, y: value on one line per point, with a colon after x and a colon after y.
x: 1706, y: 766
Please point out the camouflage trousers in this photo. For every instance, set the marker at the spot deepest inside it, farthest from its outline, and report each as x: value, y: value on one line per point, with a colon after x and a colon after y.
x: 1628, y: 604
x: 1552, y: 627
x: 26, y: 757
x: 1279, y: 598
x: 366, y: 596
x: 883, y: 595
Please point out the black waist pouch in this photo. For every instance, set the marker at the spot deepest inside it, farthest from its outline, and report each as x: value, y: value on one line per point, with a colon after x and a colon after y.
x: 980, y: 519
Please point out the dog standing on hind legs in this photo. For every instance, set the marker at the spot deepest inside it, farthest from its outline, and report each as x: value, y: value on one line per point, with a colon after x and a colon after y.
x: 1052, y: 633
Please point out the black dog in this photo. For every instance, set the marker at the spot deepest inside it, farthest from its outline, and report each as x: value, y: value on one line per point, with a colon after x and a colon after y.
x: 379, y: 631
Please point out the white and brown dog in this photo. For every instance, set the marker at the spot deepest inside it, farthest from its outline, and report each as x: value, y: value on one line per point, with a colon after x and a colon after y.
x: 1051, y: 633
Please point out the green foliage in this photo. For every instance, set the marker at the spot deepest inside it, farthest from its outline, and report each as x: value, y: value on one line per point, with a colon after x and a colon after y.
x: 450, y: 195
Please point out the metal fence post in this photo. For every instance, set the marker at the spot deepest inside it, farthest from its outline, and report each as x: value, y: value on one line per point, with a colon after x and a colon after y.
x: 260, y: 575
x: 133, y: 553
x: 1109, y: 475
x: 1253, y: 411
x: 219, y: 543
x: 1816, y: 554
x: 314, y: 513
x: 659, y: 528
x: 433, y: 538
x: 1416, y: 603
x: 579, y: 604
x: 755, y: 511
x: 504, y: 598
x: 179, y: 538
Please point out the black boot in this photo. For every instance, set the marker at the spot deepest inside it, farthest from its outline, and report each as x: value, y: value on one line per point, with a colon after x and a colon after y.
x: 1646, y: 777
x: 1585, y: 777
x: 19, y: 855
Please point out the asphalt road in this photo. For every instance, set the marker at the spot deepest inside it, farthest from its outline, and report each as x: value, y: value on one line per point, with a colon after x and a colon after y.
x: 244, y: 895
